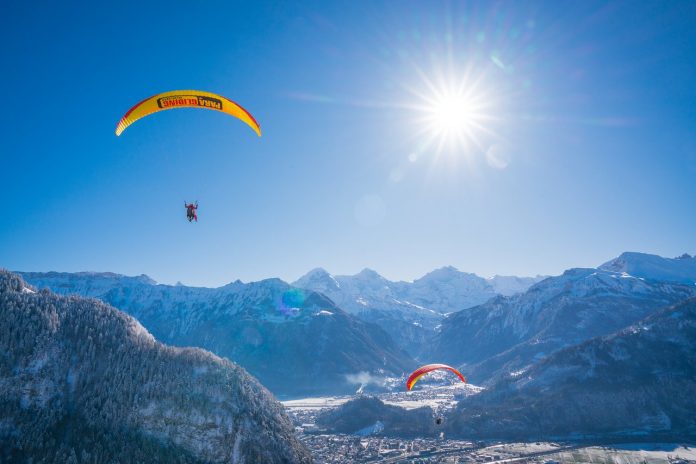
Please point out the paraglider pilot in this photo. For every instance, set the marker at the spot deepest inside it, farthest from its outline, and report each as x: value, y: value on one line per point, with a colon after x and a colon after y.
x: 191, y: 211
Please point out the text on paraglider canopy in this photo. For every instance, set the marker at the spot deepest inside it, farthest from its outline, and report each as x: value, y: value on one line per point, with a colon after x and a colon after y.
x: 174, y: 101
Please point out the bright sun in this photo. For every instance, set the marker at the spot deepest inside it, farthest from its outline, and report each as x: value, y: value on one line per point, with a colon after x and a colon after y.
x: 456, y: 114
x: 451, y: 115
x: 455, y: 120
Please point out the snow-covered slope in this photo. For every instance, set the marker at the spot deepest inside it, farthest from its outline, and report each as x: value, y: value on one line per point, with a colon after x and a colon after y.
x: 294, y: 341
x: 83, y: 382
x: 639, y: 380
x: 653, y: 267
x: 508, y: 334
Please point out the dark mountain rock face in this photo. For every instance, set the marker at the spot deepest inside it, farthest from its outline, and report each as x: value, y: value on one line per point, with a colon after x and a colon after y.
x: 295, y: 342
x: 640, y: 380
x: 83, y: 382
x: 507, y: 335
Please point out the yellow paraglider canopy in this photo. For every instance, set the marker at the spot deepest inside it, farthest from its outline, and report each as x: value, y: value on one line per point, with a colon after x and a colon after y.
x: 186, y: 99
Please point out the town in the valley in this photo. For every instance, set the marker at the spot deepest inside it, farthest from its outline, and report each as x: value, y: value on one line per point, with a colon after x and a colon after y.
x: 370, y: 446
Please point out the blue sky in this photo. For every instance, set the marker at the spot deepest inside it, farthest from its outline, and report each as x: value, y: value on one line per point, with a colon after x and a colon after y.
x: 581, y: 142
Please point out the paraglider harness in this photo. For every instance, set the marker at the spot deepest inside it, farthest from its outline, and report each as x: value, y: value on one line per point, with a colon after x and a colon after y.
x: 191, y: 211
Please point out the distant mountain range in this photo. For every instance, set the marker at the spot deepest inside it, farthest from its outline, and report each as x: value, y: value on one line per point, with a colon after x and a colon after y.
x: 482, y: 325
x: 410, y: 311
x: 82, y: 382
x: 441, y: 291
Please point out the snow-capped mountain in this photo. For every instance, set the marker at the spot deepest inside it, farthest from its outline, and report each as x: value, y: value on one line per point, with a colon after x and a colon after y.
x: 364, y: 291
x: 681, y: 269
x: 294, y: 341
x: 509, y: 334
x: 447, y: 289
x: 374, y: 299
x: 410, y: 311
x: 83, y: 382
x: 439, y: 292
x: 639, y: 380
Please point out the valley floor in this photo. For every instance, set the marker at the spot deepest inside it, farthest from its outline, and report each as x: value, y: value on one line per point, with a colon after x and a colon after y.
x: 345, y: 449
x: 328, y: 448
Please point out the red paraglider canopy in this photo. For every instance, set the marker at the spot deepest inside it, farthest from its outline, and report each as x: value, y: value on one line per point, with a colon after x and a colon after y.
x: 421, y: 371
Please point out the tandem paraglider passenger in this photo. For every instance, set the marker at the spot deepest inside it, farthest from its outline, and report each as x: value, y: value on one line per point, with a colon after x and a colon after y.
x: 191, y: 211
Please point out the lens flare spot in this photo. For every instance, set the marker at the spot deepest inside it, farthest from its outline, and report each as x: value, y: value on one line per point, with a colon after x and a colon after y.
x: 291, y: 301
x: 498, y: 156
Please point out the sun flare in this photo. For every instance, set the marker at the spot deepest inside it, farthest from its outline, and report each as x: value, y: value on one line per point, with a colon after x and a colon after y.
x: 456, y: 114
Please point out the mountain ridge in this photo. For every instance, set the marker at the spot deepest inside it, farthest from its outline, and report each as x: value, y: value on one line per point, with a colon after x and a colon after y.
x: 81, y: 378
x: 638, y: 380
